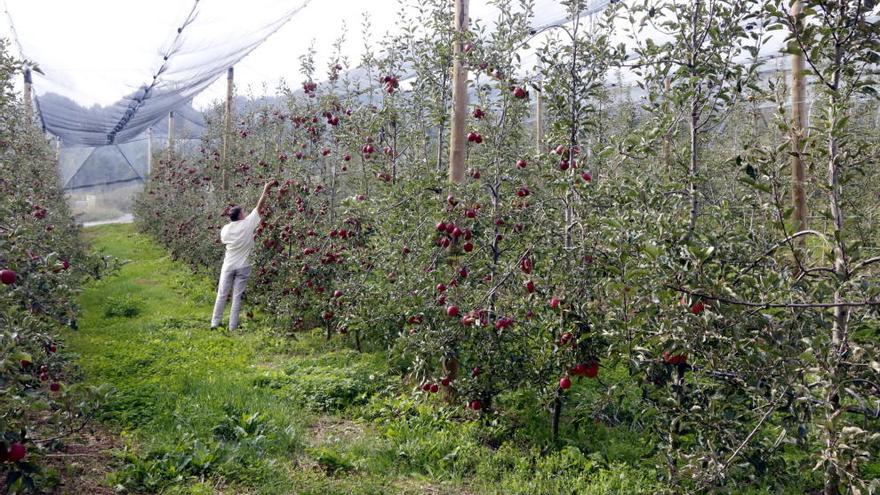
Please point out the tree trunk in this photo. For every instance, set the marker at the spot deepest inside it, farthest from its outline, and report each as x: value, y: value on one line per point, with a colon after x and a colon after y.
x: 693, y: 170
x: 839, y: 325
x: 667, y: 139
x: 539, y: 123
x: 839, y: 328
x: 555, y: 415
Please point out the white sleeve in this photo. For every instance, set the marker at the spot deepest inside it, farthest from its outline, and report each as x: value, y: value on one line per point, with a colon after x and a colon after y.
x: 253, y: 220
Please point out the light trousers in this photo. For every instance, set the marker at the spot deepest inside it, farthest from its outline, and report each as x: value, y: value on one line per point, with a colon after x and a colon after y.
x: 236, y: 281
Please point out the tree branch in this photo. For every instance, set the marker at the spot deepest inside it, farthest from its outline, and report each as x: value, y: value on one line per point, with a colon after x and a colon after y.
x: 753, y: 304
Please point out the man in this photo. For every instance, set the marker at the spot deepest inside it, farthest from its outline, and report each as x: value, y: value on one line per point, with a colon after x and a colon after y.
x: 238, y: 236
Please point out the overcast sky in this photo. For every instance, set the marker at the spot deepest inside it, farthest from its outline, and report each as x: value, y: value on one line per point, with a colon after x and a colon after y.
x: 99, y: 50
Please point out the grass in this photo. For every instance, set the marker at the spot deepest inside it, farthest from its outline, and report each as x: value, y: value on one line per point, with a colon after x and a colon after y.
x: 203, y: 411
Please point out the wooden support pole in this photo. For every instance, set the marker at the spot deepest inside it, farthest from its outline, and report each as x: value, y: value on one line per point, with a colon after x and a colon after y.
x: 457, y: 140
x: 28, y: 98
x: 539, y: 122
x: 149, y: 150
x: 457, y: 146
x: 227, y: 128
x: 799, y: 125
x: 170, y: 134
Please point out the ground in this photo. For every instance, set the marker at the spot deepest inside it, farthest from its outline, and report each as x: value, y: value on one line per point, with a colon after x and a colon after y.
x: 178, y: 384
x: 201, y: 411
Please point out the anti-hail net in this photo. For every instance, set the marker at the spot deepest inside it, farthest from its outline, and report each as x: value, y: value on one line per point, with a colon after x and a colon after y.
x: 102, y: 82
x: 194, y: 43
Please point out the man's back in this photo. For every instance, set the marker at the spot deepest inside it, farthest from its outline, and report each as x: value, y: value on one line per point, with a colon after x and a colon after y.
x: 238, y: 237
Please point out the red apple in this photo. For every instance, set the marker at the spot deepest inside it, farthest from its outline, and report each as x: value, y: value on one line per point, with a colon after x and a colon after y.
x: 16, y: 452
x: 8, y: 277
x: 565, y: 383
x: 674, y: 359
x: 698, y: 308
x: 592, y: 370
x: 54, y: 386
x: 530, y: 287
x: 452, y: 311
x: 519, y: 92
x: 554, y: 303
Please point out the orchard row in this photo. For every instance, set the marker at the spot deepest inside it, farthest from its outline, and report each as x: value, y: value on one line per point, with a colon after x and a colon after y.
x: 637, y: 252
x: 42, y: 265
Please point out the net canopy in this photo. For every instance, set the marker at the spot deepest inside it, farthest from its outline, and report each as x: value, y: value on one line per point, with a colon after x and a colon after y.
x: 112, y: 69
x: 187, y: 46
x: 106, y: 71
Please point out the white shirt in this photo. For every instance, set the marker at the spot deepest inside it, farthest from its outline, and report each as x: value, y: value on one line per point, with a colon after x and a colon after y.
x: 238, y: 236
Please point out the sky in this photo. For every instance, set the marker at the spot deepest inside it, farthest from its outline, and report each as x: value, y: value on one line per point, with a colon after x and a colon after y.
x: 96, y: 51
x: 99, y: 50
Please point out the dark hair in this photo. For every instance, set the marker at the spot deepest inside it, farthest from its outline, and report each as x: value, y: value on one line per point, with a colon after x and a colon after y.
x: 235, y: 213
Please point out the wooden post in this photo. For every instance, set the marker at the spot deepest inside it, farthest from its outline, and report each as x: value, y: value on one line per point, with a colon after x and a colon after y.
x: 539, y: 122
x: 28, y: 98
x: 799, y: 124
x: 227, y: 129
x: 149, y: 150
x: 170, y: 134
x: 457, y: 141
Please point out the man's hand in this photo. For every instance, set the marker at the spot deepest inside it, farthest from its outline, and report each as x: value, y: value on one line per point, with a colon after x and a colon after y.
x: 269, y: 185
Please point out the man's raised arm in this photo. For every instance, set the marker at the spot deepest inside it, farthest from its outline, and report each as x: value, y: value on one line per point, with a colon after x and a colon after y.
x: 266, y: 188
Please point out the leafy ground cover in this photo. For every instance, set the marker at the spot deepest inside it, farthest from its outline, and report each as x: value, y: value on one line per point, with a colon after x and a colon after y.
x: 201, y: 411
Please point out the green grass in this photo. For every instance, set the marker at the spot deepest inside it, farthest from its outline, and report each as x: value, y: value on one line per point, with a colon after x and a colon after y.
x: 253, y: 412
